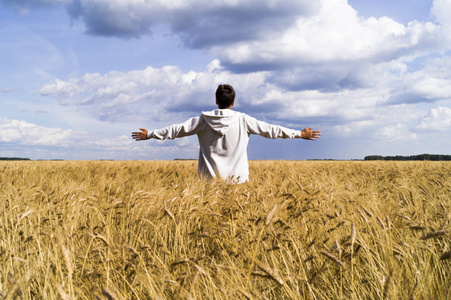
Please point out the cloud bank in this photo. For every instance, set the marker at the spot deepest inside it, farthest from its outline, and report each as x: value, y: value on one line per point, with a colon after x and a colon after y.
x: 168, y: 95
x: 306, y: 45
x: 200, y: 23
x: 36, y: 141
x: 297, y: 63
x: 21, y: 132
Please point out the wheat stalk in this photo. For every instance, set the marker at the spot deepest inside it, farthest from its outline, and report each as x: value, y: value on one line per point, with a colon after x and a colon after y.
x: 334, y: 259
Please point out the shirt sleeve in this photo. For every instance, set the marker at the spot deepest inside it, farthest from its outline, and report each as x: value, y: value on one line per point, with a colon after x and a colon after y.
x: 189, y: 127
x: 270, y: 131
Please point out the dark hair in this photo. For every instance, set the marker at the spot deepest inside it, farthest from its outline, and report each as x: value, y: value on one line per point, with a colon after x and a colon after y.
x: 225, y: 95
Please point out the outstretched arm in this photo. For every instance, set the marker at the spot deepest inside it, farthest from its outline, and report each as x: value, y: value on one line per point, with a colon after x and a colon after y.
x: 271, y: 131
x: 140, y: 135
x: 309, y: 134
x: 189, y: 127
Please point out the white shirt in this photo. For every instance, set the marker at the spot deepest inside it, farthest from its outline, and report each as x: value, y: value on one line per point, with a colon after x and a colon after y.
x: 223, y: 137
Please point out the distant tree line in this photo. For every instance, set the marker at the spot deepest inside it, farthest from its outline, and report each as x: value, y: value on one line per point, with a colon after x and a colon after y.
x: 13, y: 158
x: 434, y: 157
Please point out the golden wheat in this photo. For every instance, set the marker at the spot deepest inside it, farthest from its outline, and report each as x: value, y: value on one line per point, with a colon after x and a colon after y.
x: 297, y: 230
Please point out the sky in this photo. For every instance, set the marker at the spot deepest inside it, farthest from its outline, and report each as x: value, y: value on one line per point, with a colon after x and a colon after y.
x: 78, y: 76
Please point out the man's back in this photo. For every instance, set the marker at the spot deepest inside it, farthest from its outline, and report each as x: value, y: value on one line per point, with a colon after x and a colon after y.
x: 223, y: 144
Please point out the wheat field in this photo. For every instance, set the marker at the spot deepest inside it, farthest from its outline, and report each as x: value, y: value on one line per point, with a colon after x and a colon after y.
x: 297, y: 230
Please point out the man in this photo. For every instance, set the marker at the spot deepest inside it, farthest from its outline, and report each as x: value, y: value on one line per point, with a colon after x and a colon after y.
x: 223, y: 137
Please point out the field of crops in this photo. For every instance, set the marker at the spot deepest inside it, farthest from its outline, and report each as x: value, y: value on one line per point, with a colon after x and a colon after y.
x: 297, y: 230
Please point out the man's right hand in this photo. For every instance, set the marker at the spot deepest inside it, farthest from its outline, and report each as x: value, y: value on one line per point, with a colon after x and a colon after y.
x: 309, y: 134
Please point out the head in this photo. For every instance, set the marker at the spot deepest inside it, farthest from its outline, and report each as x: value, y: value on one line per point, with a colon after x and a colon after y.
x: 225, y: 96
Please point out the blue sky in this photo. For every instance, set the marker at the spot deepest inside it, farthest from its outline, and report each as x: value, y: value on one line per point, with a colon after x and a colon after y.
x: 78, y: 76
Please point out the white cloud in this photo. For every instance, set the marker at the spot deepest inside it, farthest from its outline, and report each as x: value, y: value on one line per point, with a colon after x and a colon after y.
x: 163, y: 94
x: 441, y: 9
x: 437, y: 119
x: 430, y: 84
x: 148, y: 92
x: 323, y: 37
x: 22, y: 132
x: 397, y: 132
x: 45, y: 141
x: 332, y: 47
x: 168, y: 95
